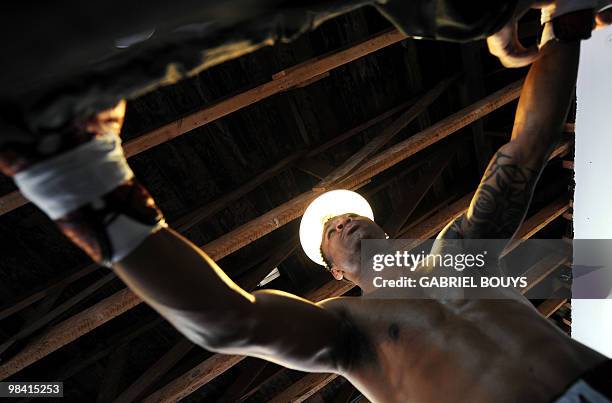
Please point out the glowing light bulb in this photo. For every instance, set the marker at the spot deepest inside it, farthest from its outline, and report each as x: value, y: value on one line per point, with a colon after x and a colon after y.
x: 323, y: 208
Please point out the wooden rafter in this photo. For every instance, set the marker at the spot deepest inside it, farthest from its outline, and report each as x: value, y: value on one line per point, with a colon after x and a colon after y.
x: 155, y: 372
x: 550, y: 306
x: 411, y: 200
x: 385, y: 136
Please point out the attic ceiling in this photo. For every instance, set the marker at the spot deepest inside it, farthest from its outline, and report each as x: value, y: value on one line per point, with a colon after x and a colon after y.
x: 216, y: 179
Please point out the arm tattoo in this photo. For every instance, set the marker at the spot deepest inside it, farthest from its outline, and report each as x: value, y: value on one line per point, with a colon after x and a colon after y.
x: 500, y: 203
x: 501, y: 200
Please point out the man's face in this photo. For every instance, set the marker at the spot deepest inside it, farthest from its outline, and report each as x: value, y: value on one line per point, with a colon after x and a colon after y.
x: 341, y: 243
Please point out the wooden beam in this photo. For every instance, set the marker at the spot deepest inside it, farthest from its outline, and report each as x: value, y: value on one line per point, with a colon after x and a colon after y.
x: 385, y: 136
x: 84, y: 322
x: 304, y: 388
x: 290, y: 78
x: 155, y: 372
x: 562, y: 149
x: 25, y: 301
x: 550, y: 306
x: 191, y: 381
x: 78, y: 364
x: 60, y: 309
x: 543, y: 268
x: 414, y: 196
x: 260, y: 380
x: 538, y: 221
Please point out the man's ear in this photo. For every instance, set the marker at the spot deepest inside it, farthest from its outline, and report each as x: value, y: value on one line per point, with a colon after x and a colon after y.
x: 337, y: 273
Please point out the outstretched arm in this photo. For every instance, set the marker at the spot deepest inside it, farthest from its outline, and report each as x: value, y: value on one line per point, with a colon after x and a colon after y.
x: 503, y: 196
x: 188, y: 288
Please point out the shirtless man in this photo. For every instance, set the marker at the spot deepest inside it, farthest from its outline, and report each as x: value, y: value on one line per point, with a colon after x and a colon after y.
x: 391, y: 350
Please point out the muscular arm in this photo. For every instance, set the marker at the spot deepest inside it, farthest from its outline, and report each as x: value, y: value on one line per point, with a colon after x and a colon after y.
x: 503, y: 196
x: 187, y: 287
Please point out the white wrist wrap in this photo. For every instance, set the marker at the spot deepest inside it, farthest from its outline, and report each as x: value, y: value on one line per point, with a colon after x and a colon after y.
x: 81, y: 177
x: 561, y: 7
x: 73, y: 179
x: 126, y: 234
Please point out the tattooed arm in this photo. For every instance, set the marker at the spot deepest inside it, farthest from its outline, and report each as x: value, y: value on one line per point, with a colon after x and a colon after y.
x: 503, y: 196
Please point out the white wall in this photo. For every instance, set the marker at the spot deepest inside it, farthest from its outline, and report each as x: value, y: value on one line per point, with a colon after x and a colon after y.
x: 592, y: 319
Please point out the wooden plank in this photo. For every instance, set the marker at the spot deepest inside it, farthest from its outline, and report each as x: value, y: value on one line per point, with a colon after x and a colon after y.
x: 124, y: 300
x: 538, y: 221
x: 292, y: 77
x: 304, y: 388
x: 562, y: 149
x: 155, y: 372
x: 550, y: 306
x: 385, y: 136
x: 191, y: 381
x: 542, y: 269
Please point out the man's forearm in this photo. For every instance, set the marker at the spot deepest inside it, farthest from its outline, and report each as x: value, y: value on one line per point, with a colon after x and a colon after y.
x: 545, y: 100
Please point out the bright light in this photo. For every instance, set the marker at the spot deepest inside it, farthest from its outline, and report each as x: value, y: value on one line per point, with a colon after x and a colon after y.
x: 324, y: 207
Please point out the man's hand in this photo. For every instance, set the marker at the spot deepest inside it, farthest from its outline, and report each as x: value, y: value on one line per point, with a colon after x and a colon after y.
x: 505, y: 43
x: 603, y: 18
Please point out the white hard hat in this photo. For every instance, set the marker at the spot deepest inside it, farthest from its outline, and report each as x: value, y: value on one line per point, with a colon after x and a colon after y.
x: 328, y: 205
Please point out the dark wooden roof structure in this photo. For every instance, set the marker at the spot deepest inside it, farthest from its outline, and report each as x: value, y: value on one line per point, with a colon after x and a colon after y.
x: 233, y: 156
